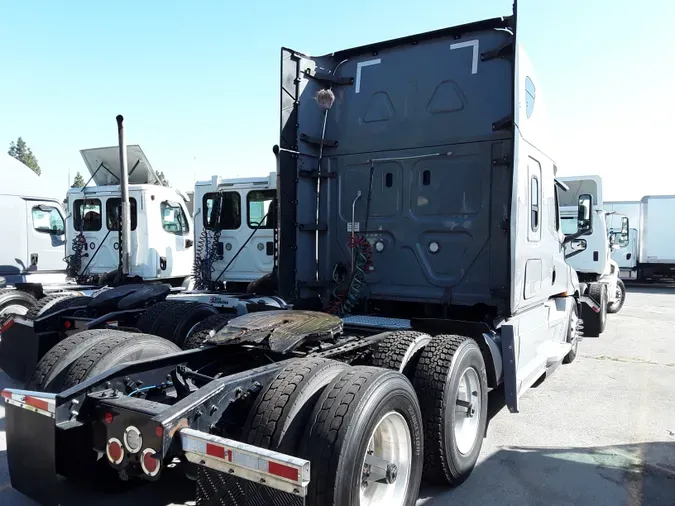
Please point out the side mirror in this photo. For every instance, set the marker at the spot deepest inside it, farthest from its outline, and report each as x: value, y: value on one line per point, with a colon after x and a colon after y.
x: 624, y: 225
x: 585, y: 214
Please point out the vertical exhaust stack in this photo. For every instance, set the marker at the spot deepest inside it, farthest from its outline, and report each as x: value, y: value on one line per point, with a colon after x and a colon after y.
x: 125, y: 221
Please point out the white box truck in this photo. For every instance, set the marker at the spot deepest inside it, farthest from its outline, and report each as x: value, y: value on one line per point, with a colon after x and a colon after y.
x: 656, y: 255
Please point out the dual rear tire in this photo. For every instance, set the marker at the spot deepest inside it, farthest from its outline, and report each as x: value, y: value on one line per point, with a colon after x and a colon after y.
x: 422, y: 412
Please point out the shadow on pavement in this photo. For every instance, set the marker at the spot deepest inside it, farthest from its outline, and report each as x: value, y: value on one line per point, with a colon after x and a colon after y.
x: 636, y: 474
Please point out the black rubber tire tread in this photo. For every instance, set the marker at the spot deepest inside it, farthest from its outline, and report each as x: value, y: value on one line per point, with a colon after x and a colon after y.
x: 615, y: 307
x: 572, y: 354
x: 66, y: 303
x: 281, y: 412
x: 12, y: 294
x: 205, y: 329
x: 431, y: 380
x: 175, y: 318
x: 394, y: 350
x: 594, y: 323
x: 88, y: 363
x: 339, y: 423
x: 45, y: 303
x: 147, y: 323
x: 64, y: 353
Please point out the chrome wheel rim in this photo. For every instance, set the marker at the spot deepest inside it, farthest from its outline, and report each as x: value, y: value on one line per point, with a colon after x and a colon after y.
x: 467, y: 411
x: 390, y: 441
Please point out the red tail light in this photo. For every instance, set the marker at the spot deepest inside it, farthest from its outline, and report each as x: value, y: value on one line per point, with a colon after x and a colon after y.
x: 149, y: 463
x: 114, y: 451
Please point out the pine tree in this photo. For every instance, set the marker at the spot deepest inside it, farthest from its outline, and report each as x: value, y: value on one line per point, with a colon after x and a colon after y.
x: 78, y: 182
x: 23, y: 153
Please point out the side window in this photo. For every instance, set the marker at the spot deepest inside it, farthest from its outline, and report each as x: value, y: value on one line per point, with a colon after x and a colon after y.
x: 557, y: 207
x: 48, y: 219
x: 534, y: 203
x: 222, y: 211
x: 87, y: 215
x: 534, y: 200
x: 173, y: 218
x: 259, y: 202
x: 112, y: 207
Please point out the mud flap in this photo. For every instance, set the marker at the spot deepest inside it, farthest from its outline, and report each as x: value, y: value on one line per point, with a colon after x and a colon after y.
x: 31, y: 454
x: 215, y: 488
x: 21, y: 348
x: 510, y: 367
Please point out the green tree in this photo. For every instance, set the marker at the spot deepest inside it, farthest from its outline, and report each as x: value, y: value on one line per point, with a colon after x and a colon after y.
x: 23, y: 153
x: 79, y: 181
x: 162, y: 179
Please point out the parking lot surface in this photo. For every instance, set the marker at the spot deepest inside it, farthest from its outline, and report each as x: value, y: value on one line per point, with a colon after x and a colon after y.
x: 600, y: 431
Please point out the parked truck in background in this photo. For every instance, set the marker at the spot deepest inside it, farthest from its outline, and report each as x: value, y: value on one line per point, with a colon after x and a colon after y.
x: 625, y: 250
x: 34, y: 237
x: 421, y: 251
x: 656, y: 256
x: 590, y: 255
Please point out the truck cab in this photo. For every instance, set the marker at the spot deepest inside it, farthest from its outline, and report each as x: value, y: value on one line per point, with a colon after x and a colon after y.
x: 33, y: 227
x: 591, y: 255
x: 234, y: 229
x: 625, y: 248
x: 161, y: 227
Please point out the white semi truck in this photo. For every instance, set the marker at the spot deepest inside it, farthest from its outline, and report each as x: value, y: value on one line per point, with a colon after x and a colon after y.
x: 590, y: 255
x: 625, y: 248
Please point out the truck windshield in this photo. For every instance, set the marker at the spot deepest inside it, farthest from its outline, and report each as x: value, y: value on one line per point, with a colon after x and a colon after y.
x: 569, y: 226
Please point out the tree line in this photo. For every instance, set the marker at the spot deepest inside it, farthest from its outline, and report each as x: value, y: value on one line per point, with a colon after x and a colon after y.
x: 24, y: 154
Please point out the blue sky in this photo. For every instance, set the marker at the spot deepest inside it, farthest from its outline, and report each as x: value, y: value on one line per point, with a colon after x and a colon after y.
x: 198, y: 81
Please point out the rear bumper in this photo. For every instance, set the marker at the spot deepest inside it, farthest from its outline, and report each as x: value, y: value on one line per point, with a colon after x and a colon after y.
x: 229, y: 472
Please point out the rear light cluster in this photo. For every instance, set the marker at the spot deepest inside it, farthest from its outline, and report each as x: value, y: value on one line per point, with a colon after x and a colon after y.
x: 133, y: 444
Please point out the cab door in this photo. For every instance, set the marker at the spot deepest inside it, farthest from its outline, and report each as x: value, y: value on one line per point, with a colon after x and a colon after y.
x: 260, y: 222
x: 45, y: 231
x: 177, y: 229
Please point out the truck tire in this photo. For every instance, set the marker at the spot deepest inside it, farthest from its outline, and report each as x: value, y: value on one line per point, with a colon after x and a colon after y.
x: 360, y: 405
x: 54, y: 366
x: 80, y: 301
x: 451, y: 369
x: 179, y: 317
x: 46, y: 303
x: 16, y: 302
x: 572, y: 336
x: 281, y: 412
x: 595, y: 323
x: 149, y: 320
x: 115, y: 351
x: 205, y: 329
x: 615, y: 307
x: 400, y: 351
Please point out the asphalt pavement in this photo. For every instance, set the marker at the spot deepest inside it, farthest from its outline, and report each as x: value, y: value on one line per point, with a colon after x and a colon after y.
x: 598, y: 432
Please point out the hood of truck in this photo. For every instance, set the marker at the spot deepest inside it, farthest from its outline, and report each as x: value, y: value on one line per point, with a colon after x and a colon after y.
x: 104, y: 165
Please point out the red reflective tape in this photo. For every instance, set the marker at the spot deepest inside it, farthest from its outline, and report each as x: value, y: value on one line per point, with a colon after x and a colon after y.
x: 215, y: 450
x: 37, y: 403
x: 7, y: 326
x: 6, y: 394
x: 288, y: 472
